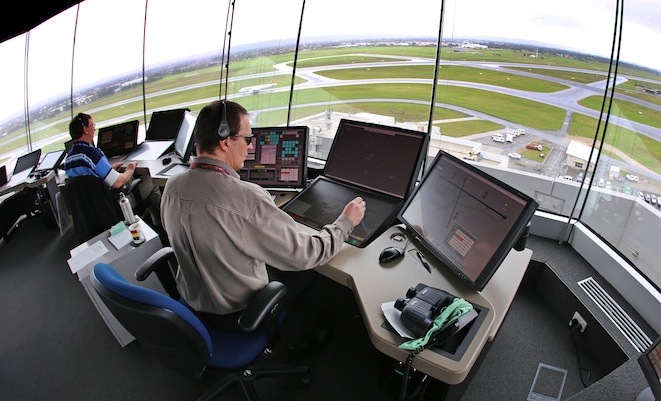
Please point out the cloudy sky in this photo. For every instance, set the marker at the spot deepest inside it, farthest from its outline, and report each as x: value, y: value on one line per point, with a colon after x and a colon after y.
x: 109, y: 32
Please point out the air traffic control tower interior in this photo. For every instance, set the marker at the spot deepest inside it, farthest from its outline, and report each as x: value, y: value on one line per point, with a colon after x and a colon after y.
x: 525, y: 114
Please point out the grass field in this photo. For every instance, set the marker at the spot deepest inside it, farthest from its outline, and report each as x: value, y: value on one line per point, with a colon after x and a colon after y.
x: 405, y: 102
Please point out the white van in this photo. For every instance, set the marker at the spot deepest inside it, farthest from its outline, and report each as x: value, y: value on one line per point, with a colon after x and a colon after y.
x: 498, y: 138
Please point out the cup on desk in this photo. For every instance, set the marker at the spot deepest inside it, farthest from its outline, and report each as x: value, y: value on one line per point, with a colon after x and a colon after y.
x: 136, y: 233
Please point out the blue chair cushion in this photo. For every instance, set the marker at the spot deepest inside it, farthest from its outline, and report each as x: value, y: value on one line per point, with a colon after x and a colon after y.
x: 228, y: 349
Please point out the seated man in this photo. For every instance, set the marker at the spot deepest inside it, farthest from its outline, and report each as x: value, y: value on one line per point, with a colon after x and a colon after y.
x: 86, y: 159
x: 230, y: 238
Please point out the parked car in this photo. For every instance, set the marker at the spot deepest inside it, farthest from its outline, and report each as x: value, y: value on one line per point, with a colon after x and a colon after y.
x: 632, y: 177
x: 514, y: 155
x: 579, y: 177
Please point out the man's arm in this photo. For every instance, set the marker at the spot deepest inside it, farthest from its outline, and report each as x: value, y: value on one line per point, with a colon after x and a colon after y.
x: 124, y: 177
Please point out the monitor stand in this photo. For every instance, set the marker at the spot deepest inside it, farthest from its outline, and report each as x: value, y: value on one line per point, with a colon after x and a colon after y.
x: 646, y: 395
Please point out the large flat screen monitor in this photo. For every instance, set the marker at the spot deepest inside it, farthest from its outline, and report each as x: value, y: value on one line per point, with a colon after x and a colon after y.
x: 118, y: 139
x: 380, y: 163
x: 165, y: 124
x: 466, y: 218
x: 184, y: 144
x: 278, y: 158
x: 650, y: 363
x: 382, y: 158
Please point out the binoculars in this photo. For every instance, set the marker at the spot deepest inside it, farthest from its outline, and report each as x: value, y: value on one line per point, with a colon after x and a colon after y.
x: 421, y: 306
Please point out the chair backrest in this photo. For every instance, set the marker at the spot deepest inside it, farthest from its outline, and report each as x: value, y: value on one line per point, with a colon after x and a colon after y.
x: 169, y: 330
x: 91, y: 205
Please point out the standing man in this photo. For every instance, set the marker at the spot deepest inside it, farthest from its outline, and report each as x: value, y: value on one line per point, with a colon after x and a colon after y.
x: 230, y: 238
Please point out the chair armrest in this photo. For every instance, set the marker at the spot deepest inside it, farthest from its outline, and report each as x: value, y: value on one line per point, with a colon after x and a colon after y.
x: 265, y: 303
x: 163, y: 262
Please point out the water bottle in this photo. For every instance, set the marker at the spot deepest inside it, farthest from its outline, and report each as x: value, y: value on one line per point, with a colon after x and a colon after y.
x: 127, y: 210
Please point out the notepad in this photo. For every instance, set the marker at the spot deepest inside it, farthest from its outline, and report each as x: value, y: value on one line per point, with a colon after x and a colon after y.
x: 83, y: 255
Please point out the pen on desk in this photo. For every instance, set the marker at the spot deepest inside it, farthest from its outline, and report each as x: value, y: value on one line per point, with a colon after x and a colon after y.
x: 425, y: 264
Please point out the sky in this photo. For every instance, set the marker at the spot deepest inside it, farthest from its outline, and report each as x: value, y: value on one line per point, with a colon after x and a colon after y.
x: 109, y: 32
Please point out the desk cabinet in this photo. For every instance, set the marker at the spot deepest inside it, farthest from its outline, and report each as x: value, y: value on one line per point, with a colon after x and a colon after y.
x: 126, y: 261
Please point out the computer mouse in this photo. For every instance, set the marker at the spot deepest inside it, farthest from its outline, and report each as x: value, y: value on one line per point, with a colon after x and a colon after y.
x: 166, y: 161
x: 390, y: 253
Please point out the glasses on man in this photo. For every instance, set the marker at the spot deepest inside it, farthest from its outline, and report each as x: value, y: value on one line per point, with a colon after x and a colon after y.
x: 247, y: 138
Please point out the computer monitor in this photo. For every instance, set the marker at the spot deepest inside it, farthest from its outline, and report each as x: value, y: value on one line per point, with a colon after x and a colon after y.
x: 51, y: 161
x: 278, y: 158
x: 118, y: 139
x: 184, y: 144
x: 650, y: 363
x: 466, y: 218
x: 382, y: 158
x: 165, y: 124
x: 27, y: 161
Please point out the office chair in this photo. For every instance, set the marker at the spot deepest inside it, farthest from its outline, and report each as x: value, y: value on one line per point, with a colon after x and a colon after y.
x: 172, y: 333
x: 92, y: 206
x: 14, y: 207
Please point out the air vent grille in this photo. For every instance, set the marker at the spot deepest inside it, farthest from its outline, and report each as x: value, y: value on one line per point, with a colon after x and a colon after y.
x: 616, y: 314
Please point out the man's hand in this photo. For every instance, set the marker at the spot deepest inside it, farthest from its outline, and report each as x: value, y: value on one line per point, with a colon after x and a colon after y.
x: 355, y: 210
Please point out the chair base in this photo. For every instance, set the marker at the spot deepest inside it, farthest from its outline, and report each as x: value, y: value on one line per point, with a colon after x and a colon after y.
x: 246, y: 377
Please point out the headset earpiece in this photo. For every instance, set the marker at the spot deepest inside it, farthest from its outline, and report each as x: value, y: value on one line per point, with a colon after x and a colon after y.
x: 223, y: 128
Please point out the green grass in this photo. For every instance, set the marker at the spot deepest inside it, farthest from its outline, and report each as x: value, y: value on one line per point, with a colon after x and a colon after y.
x: 463, y: 128
x: 639, y: 147
x: 452, y: 73
x: 630, y: 111
x: 385, y: 98
x: 579, y: 77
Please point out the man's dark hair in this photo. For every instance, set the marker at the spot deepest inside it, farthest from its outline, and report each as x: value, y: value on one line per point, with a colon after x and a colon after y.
x: 205, y: 131
x: 76, y: 125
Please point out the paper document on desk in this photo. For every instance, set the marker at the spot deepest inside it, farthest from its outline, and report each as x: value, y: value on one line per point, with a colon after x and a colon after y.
x: 81, y: 256
x: 121, y: 238
x: 392, y: 315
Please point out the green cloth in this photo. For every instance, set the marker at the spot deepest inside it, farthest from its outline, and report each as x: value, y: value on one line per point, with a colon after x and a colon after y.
x: 448, y: 316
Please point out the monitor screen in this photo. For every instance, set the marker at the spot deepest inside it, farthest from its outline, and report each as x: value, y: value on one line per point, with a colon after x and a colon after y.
x: 278, y: 158
x: 183, y: 145
x: 466, y: 218
x: 51, y: 161
x: 27, y: 161
x: 650, y: 363
x: 118, y: 139
x: 165, y: 124
x: 378, y: 157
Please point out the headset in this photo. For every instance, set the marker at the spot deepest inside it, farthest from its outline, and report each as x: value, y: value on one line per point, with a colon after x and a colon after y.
x: 223, y: 128
x: 80, y: 119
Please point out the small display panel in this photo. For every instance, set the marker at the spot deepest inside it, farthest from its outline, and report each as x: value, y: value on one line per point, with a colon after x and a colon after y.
x: 118, y: 139
x: 165, y: 124
x: 28, y: 161
x: 183, y: 145
x: 51, y: 161
x: 466, y: 218
x: 278, y: 158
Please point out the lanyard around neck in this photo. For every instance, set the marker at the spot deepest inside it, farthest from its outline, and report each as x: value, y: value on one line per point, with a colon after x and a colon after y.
x: 206, y: 166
